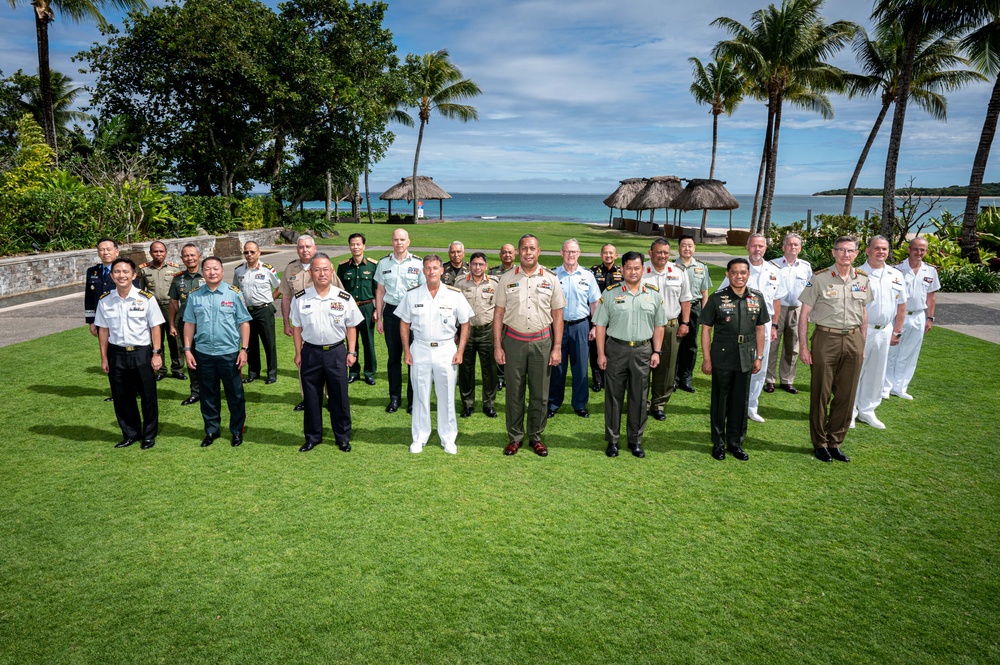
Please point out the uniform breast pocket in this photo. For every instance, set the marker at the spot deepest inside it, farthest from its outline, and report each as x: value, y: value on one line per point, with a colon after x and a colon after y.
x: 136, y: 314
x: 859, y: 295
x: 648, y: 307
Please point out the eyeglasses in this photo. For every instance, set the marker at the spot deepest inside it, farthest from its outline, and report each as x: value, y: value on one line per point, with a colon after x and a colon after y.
x: 247, y: 253
x: 845, y: 250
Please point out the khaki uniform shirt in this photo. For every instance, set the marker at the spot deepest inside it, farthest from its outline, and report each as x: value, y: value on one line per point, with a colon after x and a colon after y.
x: 630, y: 317
x: 698, y: 279
x: 296, y: 278
x: 673, y: 285
x: 157, y: 280
x: 528, y: 300
x: 481, y: 297
x: 324, y: 319
x: 257, y: 285
x: 837, y: 303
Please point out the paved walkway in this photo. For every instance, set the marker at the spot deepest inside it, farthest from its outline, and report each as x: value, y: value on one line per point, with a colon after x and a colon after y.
x: 25, y: 318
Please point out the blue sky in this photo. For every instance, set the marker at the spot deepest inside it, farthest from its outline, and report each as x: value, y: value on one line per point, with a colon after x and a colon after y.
x: 577, y: 96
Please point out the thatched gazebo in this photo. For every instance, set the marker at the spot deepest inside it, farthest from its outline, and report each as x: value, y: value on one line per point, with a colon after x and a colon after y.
x: 403, y: 191
x: 703, y: 194
x: 659, y: 192
x: 621, y: 197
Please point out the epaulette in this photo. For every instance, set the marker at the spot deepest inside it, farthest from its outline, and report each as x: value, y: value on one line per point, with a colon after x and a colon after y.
x: 149, y: 296
x: 105, y: 294
x: 453, y: 288
x: 344, y: 295
x: 369, y: 259
x: 233, y: 287
x: 414, y: 287
x: 301, y: 293
x: 346, y: 261
x: 173, y: 265
x: 267, y: 265
x: 650, y: 285
x: 145, y: 265
x: 613, y: 286
x: 860, y: 272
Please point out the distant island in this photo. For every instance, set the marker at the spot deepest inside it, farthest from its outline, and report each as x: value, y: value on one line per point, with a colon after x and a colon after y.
x: 990, y: 189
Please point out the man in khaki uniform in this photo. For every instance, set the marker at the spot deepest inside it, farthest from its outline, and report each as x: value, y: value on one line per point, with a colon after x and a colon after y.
x: 837, y: 300
x: 155, y: 276
x: 456, y: 269
x: 480, y: 290
x: 629, y: 334
x: 529, y: 302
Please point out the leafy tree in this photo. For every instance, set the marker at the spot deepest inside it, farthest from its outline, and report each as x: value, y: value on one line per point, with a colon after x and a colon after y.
x: 76, y: 11
x: 13, y: 88
x: 783, y: 49
x: 438, y: 84
x: 720, y: 87
x: 64, y: 95
x: 32, y: 160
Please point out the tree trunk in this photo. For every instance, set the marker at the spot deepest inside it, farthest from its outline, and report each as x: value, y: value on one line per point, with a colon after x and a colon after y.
x: 45, y: 78
x: 849, y: 198
x: 896, y: 137
x: 772, y: 170
x: 416, y: 159
x: 329, y: 195
x: 279, y: 151
x: 969, y: 240
x: 764, y: 157
x: 711, y: 169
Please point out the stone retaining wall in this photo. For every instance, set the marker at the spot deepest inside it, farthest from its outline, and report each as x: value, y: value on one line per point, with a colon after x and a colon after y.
x: 37, y: 272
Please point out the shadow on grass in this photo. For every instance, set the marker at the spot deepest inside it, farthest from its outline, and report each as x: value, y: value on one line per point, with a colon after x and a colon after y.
x: 71, y: 391
x: 78, y: 433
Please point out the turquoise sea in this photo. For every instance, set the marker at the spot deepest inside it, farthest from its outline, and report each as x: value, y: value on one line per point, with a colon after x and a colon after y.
x: 589, y: 208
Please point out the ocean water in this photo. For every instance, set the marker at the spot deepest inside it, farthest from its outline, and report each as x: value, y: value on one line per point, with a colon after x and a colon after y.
x: 589, y: 208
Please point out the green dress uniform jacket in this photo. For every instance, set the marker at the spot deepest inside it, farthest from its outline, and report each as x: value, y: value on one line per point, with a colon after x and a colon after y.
x: 734, y: 320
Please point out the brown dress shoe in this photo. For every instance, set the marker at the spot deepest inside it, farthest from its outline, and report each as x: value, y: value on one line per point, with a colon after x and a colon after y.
x: 539, y: 448
x: 769, y: 387
x: 789, y: 388
x: 512, y: 448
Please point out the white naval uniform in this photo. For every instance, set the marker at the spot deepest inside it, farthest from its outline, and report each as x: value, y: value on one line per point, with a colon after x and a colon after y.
x: 903, y: 357
x: 324, y: 319
x: 888, y: 291
x: 128, y: 319
x: 433, y: 321
x: 765, y: 278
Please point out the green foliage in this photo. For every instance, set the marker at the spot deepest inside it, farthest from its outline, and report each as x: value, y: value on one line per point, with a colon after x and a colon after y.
x: 943, y: 252
x: 32, y: 159
x: 55, y: 220
x: 817, y: 242
x: 271, y: 211
x: 250, y: 213
x: 210, y: 213
x: 64, y: 180
x: 969, y: 278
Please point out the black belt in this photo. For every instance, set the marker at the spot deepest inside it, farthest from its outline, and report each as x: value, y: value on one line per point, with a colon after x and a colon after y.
x: 739, y: 339
x: 576, y: 321
x: 251, y: 308
x: 837, y: 331
x: 130, y: 349
x: 323, y: 347
x: 643, y: 342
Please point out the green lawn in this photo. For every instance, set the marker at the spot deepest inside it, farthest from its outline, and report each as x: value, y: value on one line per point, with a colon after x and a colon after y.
x: 263, y: 554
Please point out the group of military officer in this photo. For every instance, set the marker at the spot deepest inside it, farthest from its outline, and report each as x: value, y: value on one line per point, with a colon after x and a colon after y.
x: 524, y: 323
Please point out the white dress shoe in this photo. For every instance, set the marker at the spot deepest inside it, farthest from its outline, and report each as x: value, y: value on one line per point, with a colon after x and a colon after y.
x: 906, y: 396
x: 416, y: 447
x: 853, y: 424
x: 450, y: 448
x: 754, y: 416
x: 885, y: 394
x: 870, y: 420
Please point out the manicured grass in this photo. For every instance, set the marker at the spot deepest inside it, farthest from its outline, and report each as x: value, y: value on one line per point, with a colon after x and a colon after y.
x: 263, y: 554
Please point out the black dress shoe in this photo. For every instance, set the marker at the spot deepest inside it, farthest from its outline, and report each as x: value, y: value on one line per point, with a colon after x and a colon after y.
x: 597, y: 387
x: 687, y: 387
x: 769, y: 387
x: 237, y: 440
x: 789, y: 388
x: 250, y: 379
x: 352, y: 378
x: 190, y: 400
x: 658, y: 415
x: 147, y: 444
x: 160, y: 377
x: 612, y: 450
x: 466, y: 411
x: 393, y: 406
x: 345, y: 447
x: 270, y: 380
x: 719, y: 451
x: 637, y: 450
x: 409, y: 408
x: 500, y: 384
x: 551, y: 413
x: 306, y: 447
x: 370, y: 380
x: 179, y: 375
x: 208, y: 440
x: 301, y: 406
x: 583, y: 413
x: 737, y: 452
x: 109, y: 399
x: 125, y: 443
x: 822, y: 454
x: 490, y: 412
x: 839, y: 456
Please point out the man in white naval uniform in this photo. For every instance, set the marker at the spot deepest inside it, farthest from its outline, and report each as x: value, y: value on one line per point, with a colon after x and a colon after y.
x: 885, y: 322
x: 922, y: 285
x: 766, y: 278
x: 433, y: 312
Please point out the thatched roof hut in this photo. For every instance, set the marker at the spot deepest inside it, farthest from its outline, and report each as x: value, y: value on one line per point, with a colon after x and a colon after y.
x: 426, y: 189
x: 659, y: 192
x: 703, y: 194
x: 621, y: 197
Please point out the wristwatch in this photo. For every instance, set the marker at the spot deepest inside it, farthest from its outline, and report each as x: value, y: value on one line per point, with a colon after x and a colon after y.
x: 685, y: 323
x: 774, y: 325
x: 897, y: 334
x: 187, y: 348
x: 657, y: 352
x: 245, y: 349
x: 930, y: 318
x: 761, y: 358
x: 158, y: 352
x: 353, y: 353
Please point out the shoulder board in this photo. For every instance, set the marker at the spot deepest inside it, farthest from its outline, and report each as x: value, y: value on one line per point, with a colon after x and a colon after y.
x: 344, y: 295
x: 548, y: 270
x: 299, y: 294
x: 106, y: 294
x: 650, y: 285
x: 173, y: 265
x: 755, y: 292
x: 413, y: 288
x: 267, y: 265
x: 389, y: 255
x: 809, y: 265
x: 149, y: 296
x: 415, y: 257
x: 860, y: 272
x: 613, y: 286
x: 145, y: 265
x: 453, y: 288
x: 932, y: 265
x: 345, y: 262
x: 233, y: 287
x: 369, y: 259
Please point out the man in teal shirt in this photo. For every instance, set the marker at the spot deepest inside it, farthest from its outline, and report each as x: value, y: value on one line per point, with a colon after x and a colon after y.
x: 216, y: 336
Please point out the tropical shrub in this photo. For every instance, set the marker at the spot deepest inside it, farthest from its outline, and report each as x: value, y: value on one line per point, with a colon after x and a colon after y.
x: 250, y: 213
x: 969, y: 278
x: 210, y: 213
x: 32, y: 160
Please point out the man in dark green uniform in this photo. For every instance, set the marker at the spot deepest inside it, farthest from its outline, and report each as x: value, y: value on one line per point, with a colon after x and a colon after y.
x: 739, y: 317
x: 607, y: 273
x: 358, y: 275
x: 181, y: 287
x: 629, y: 331
x: 507, y: 254
x: 156, y: 276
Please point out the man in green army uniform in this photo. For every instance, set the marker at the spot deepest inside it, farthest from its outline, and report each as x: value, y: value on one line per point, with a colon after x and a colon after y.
x: 629, y: 330
x: 507, y: 253
x: 739, y: 318
x: 358, y: 275
x: 156, y: 276
x: 479, y: 290
x: 182, y: 286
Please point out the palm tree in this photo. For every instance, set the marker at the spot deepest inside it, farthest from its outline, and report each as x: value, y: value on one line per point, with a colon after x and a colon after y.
x: 438, y: 84
x: 784, y: 49
x: 388, y: 111
x: 983, y: 48
x: 881, y: 60
x: 76, y: 11
x: 720, y: 86
x: 64, y: 94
